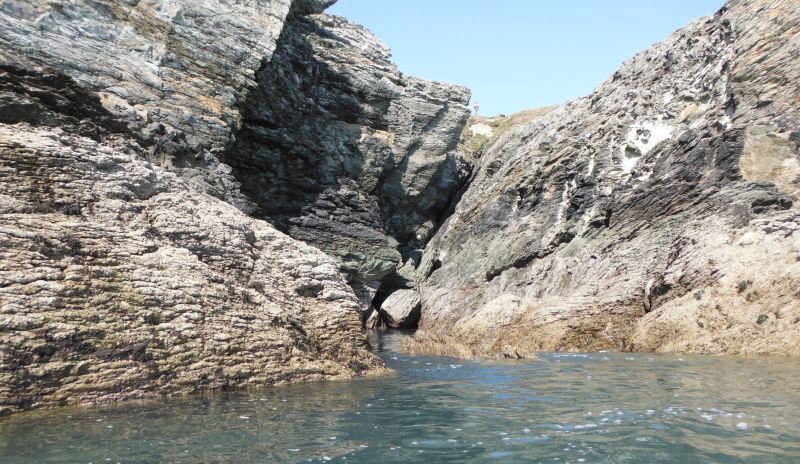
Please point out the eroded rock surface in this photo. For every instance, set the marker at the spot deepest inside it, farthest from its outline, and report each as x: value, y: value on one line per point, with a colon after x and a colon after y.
x: 177, y: 72
x: 335, y: 146
x: 343, y: 151
x: 120, y: 280
x: 658, y: 213
x: 121, y: 276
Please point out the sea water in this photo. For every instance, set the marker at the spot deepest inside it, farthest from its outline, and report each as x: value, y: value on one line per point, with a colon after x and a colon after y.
x: 561, y: 408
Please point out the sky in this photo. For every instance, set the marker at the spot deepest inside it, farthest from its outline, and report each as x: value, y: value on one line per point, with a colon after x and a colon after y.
x: 520, y: 54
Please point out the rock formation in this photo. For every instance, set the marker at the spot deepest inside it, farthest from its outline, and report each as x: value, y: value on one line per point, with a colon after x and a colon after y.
x: 133, y: 263
x: 335, y: 146
x: 400, y: 310
x: 120, y: 280
x: 120, y: 273
x: 481, y: 131
x: 658, y: 213
x: 175, y: 72
x: 153, y: 154
x: 341, y: 150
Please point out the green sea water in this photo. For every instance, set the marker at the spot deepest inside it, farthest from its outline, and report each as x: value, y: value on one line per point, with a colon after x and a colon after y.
x: 562, y: 408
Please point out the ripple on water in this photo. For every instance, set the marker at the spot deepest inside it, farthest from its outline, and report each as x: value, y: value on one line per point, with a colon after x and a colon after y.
x: 566, y: 407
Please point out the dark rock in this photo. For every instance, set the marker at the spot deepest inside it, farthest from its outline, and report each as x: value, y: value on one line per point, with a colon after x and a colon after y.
x: 341, y: 150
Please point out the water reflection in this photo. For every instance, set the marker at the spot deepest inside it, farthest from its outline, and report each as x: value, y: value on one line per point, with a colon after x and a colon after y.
x: 600, y: 407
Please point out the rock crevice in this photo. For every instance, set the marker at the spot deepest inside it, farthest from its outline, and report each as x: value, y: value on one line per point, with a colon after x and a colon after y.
x: 341, y: 150
x: 120, y: 280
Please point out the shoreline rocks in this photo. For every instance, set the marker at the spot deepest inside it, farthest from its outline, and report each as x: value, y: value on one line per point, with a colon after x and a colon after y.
x: 656, y: 214
x: 136, y: 262
x: 120, y: 276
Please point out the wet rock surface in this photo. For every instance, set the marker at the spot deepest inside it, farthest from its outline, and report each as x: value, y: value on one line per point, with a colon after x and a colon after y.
x: 658, y: 213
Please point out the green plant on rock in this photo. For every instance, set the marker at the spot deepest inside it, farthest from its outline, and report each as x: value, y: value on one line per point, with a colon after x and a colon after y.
x: 152, y: 318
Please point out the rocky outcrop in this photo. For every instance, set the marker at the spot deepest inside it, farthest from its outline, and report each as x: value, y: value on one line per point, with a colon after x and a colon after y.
x: 176, y: 73
x: 401, y: 310
x: 658, y: 213
x: 334, y: 144
x: 120, y: 280
x: 481, y: 131
x: 341, y: 150
x: 132, y: 265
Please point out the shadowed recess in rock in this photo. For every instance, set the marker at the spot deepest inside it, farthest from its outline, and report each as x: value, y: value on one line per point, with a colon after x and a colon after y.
x: 341, y: 150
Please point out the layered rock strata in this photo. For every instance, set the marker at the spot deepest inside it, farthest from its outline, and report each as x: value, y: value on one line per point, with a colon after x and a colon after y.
x: 175, y: 72
x: 121, y: 276
x: 119, y: 280
x: 341, y: 150
x: 658, y: 213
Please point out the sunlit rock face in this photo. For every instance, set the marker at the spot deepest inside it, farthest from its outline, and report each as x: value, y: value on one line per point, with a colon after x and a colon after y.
x: 120, y: 276
x: 176, y: 72
x: 134, y: 264
x: 343, y: 151
x: 657, y: 213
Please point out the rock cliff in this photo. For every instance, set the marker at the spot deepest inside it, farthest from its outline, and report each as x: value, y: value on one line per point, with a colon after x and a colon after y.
x: 120, y: 280
x: 658, y: 213
x: 341, y: 150
x: 132, y: 264
x: 334, y: 145
x: 176, y: 72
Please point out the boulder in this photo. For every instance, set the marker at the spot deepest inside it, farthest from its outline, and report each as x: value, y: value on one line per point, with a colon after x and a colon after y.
x: 401, y: 310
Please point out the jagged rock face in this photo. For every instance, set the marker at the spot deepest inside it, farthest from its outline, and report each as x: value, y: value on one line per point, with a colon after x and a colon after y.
x: 175, y: 71
x: 311, y: 6
x: 341, y: 150
x: 658, y: 213
x: 119, y: 280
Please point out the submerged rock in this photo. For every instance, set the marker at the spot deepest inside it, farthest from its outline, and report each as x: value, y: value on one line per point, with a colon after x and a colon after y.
x: 658, y: 213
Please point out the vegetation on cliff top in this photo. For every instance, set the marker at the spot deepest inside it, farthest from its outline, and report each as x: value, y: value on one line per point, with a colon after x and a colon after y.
x: 481, y: 131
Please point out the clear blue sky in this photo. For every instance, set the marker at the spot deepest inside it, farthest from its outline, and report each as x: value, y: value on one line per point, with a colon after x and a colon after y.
x: 520, y: 54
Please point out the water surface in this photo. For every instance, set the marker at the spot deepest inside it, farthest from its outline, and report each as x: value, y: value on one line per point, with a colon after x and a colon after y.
x: 563, y: 408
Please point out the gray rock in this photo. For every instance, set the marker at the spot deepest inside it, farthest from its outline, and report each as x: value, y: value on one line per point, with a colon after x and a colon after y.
x: 401, y: 310
x: 343, y: 151
x: 121, y: 276
x: 629, y: 219
x: 120, y: 280
x: 374, y: 321
x: 186, y: 66
x: 306, y: 7
x: 336, y: 147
